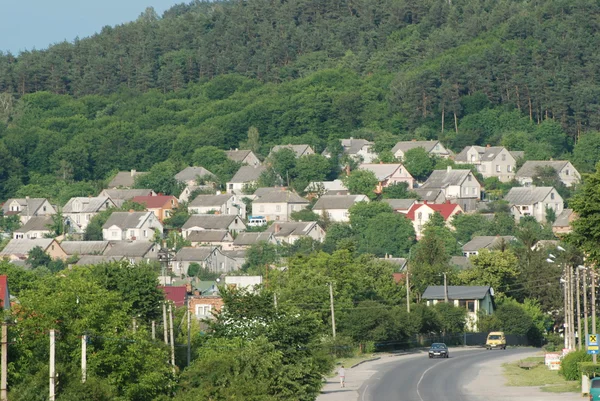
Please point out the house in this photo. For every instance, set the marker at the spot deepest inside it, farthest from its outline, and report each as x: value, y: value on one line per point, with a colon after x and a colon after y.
x: 319, y: 188
x: 545, y: 244
x: 245, y: 177
x: 491, y: 161
x: 124, y: 179
x: 389, y: 174
x: 190, y: 175
x: 534, y: 201
x: 176, y: 294
x: 400, y: 205
x: 400, y: 264
x: 93, y: 260
x: 80, y: 248
x: 431, y: 195
x: 358, y: 149
x: 246, y: 240
x: 491, y: 243
x: 291, y: 231
x: 433, y: 148
x: 243, y: 156
x: 459, y: 186
x: 27, y: 207
x: 337, y: 206
x: 204, y: 306
x: 237, y: 255
x: 278, y: 205
x: 208, y: 257
x: 80, y: 211
x: 200, y: 222
x: 249, y: 283
x: 220, y: 238
x: 562, y: 224
x: 299, y: 150
x: 20, y: 248
x: 36, y: 227
x: 161, y: 205
x: 420, y: 214
x: 218, y: 204
x: 131, y: 226
x: 188, y: 192
x: 133, y: 251
x: 475, y: 299
x: 565, y: 170
x: 119, y: 196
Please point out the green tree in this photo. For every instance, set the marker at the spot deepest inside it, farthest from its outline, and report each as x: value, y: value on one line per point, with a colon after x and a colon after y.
x: 161, y: 179
x: 387, y: 234
x: 362, y: 182
x: 399, y: 191
x: 418, y: 163
x: 498, y: 269
x: 260, y: 255
x: 304, y: 215
x: 284, y: 163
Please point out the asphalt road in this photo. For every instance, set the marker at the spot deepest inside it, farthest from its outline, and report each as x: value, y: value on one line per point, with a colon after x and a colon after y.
x: 424, y: 379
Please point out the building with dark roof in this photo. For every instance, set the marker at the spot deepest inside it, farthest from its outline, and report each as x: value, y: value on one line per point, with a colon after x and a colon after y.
x: 291, y: 231
x: 475, y: 299
x: 534, y: 201
x: 199, y: 222
x: 566, y: 172
x: 243, y: 156
x: 278, y: 205
x: 337, y: 206
x: 131, y: 226
x: 434, y: 148
x: 125, y: 179
x: 494, y: 242
x: 27, y: 207
x: 219, y: 204
x: 245, y: 177
x: 36, y: 227
x: 490, y: 161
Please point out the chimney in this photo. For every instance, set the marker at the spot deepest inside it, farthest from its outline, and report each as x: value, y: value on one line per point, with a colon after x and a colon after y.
x: 188, y: 288
x: 447, y: 202
x: 277, y: 228
x: 424, y: 202
x: 133, y: 173
x: 449, y: 169
x: 488, y: 146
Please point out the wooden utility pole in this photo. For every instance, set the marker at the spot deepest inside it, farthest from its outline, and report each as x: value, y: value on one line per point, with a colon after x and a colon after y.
x: 165, y: 324
x: 571, y: 314
x: 585, y: 305
x: 579, y: 336
x: 4, y: 365
x: 566, y: 314
x: 154, y: 329
x: 172, y: 337
x: 332, y: 309
x: 407, y: 291
x: 83, y: 358
x: 189, y: 330
x: 593, y: 276
x: 52, y: 395
x: 445, y: 288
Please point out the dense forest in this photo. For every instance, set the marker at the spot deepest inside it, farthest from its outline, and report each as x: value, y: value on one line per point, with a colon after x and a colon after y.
x: 517, y: 73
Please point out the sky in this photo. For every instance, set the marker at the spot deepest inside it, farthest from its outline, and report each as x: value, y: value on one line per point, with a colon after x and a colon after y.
x: 37, y: 24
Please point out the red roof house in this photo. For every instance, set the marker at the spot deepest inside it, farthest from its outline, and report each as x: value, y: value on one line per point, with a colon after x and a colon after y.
x: 175, y: 294
x: 420, y: 214
x: 4, y: 293
x: 160, y: 205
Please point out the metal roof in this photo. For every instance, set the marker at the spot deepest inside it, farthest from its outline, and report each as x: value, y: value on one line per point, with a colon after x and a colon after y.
x: 457, y: 292
x: 125, y: 220
x: 486, y: 242
x: 248, y: 174
x: 84, y: 247
x: 529, y: 168
x: 528, y: 195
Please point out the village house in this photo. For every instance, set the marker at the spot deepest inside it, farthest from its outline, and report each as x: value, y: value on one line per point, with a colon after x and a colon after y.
x: 431, y: 195
x: 491, y: 161
x: 291, y: 231
x: 389, y: 174
x: 246, y: 176
x: 18, y: 249
x: 205, y: 306
x: 161, y: 205
x: 200, y: 222
x: 534, y: 201
x: 420, y: 214
x: 359, y: 150
x: 299, y: 150
x: 220, y: 238
x: 433, y: 148
x: 192, y: 176
x: 210, y: 258
x: 567, y: 173
x: 337, y: 206
x: 133, y: 251
x: 93, y: 260
x: 278, y: 205
x: 81, y: 248
x: 475, y: 299
x: 36, y: 227
x: 491, y: 243
x: 119, y: 196
x: 243, y: 156
x: 79, y: 211
x: 188, y: 192
x: 27, y: 207
x: 400, y: 205
x: 320, y: 188
x: 218, y: 204
x: 246, y: 240
x: 131, y: 226
x: 124, y: 179
x: 562, y: 224
x: 238, y: 256
x: 459, y: 186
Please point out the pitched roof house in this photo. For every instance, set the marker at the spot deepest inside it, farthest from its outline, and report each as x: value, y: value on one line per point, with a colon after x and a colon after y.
x: 219, y: 204
x: 199, y: 222
x: 131, y: 226
x: 420, y: 214
x: 534, y: 201
x: 495, y: 242
x: 278, y: 205
x: 475, y: 299
x: 210, y: 258
x: 80, y: 211
x: 459, y: 186
x: 190, y: 175
x: 245, y: 176
x: 243, y: 156
x: 36, y: 227
x: 567, y: 173
x: 245, y: 240
x: 389, y: 174
x: 125, y: 179
x: 358, y: 149
x: 92, y: 260
x: 491, y: 161
x: 337, y: 206
x: 221, y: 238
x: 319, y: 188
x: 118, y: 196
x: 400, y: 205
x: 27, y: 207
x: 161, y: 205
x: 299, y: 150
x: 20, y: 248
x: 562, y: 224
x: 133, y: 251
x: 84, y: 247
x: 431, y: 195
x: 291, y: 231
x: 432, y: 147
x: 189, y: 189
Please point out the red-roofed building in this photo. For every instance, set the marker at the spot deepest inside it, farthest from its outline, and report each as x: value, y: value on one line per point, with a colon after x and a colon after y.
x: 4, y: 292
x: 160, y: 205
x: 175, y: 294
x: 420, y: 214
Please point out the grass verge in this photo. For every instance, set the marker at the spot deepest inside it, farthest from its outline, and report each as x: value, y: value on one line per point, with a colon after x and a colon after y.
x: 538, y: 376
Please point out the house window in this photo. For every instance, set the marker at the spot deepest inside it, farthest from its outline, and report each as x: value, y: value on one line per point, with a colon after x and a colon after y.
x: 44, y: 208
x: 551, y: 195
x: 131, y: 233
x: 503, y: 158
x: 230, y: 186
x: 474, y: 191
x: 472, y: 158
x: 114, y: 234
x: 420, y: 216
x: 145, y: 233
x: 278, y: 208
x: 469, y: 178
x: 524, y: 208
x: 498, y: 168
x: 203, y: 310
x: 509, y: 168
x: 468, y: 304
x: 566, y: 172
x: 222, y: 266
x: 52, y: 247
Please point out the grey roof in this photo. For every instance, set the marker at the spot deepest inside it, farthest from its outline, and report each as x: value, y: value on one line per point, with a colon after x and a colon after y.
x: 528, y: 169
x: 456, y: 292
x: 298, y: 149
x: 21, y: 247
x: 517, y: 154
x: 125, y: 220
x: 198, y: 254
x: 247, y: 239
x: 210, y: 200
x: 89, y: 204
x: 486, y: 242
x: 34, y: 205
x: 283, y: 196
x: 407, y: 145
x: 90, y: 260
x: 462, y: 262
x: 129, y: 248
x: 126, y: 194
x: 285, y: 229
x: 84, y: 247
x: 527, y: 195
x: 248, y: 174
x: 335, y: 185
x: 208, y: 236
x: 400, y: 204
x: 36, y: 223
x: 125, y: 179
x: 237, y: 155
x: 337, y: 192
x: 485, y: 153
x: 235, y: 254
x: 327, y: 202
x: 429, y: 194
x: 445, y: 178
x: 265, y: 190
x: 562, y: 220
x: 191, y: 173
x: 382, y: 171
x: 352, y: 146
x: 210, y: 221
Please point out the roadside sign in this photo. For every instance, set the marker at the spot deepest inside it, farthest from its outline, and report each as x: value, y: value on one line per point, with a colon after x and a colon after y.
x: 552, y: 361
x: 592, y: 344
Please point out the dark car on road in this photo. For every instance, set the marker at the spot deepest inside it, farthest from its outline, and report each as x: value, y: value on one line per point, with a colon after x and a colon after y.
x: 438, y: 350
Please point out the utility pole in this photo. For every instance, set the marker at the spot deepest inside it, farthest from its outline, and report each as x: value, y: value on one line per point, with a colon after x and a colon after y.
x: 4, y: 365
x: 172, y: 337
x: 189, y: 330
x: 578, y: 283
x: 275, y: 300
x: 571, y: 308
x: 593, y: 276
x: 445, y: 288
x: 52, y: 395
x: 83, y: 358
x: 154, y: 329
x: 585, y: 306
x: 332, y: 309
x: 407, y: 291
x: 566, y: 315
x: 165, y: 323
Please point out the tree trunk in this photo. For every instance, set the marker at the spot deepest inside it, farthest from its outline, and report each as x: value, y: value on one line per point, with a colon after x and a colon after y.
x: 455, y: 123
x: 443, y: 117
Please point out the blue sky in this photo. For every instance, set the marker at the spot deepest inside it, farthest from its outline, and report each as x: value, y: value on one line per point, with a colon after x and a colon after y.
x: 29, y: 24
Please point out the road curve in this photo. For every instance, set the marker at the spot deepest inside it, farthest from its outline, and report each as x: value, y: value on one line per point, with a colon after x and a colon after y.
x: 424, y: 379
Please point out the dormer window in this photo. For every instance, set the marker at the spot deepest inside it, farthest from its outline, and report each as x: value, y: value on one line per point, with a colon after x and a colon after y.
x: 469, y: 178
x: 76, y: 206
x: 552, y: 195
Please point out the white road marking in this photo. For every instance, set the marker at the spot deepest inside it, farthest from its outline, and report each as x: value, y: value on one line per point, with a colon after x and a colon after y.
x: 364, y: 392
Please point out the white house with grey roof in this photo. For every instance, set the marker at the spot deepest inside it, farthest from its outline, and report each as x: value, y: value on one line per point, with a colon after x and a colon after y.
x: 200, y: 222
x: 491, y: 243
x: 27, y: 207
x: 299, y: 150
x: 562, y: 224
x: 433, y: 148
x: 475, y: 299
x: 131, y: 226
x: 219, y: 204
x: 210, y: 258
x: 319, y: 188
x: 118, y: 196
x: 278, y: 205
x: 220, y: 238
x: 534, y: 201
x: 389, y: 174
x: 243, y: 156
x: 358, y: 149
x: 246, y: 176
x: 36, y: 227
x: 291, y: 231
x: 460, y: 186
x: 245, y: 240
x: 491, y: 161
x: 190, y: 175
x: 567, y: 173
x: 80, y: 210
x: 133, y: 251
x: 337, y: 206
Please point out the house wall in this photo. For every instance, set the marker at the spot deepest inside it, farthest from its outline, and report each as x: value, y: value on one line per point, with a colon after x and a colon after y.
x: 233, y: 206
x: 400, y: 175
x: 485, y: 305
x: 335, y: 215
x: 215, y: 263
x: 538, y: 210
x: 202, y: 307
x: 366, y: 154
x: 276, y: 211
x: 55, y: 251
x: 237, y: 187
x: 569, y: 175
x: 32, y: 234
x: 426, y: 213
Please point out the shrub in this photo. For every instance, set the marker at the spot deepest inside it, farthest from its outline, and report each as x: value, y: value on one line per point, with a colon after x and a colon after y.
x: 569, y: 367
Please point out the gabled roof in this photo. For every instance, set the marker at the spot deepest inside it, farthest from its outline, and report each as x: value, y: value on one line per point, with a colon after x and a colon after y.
x: 21, y: 247
x: 335, y: 185
x: 156, y: 201
x: 198, y: 254
x: 352, y: 146
x: 36, y: 223
x: 91, y: 260
x: 298, y: 149
x: 457, y: 292
x: 344, y: 202
x: 283, y: 196
x: 33, y: 204
x: 445, y: 209
x: 175, y: 293
x: 130, y: 249
x: 209, y: 236
x: 191, y: 173
x: 235, y: 254
x: 445, y: 178
x: 247, y: 239
x: 527, y: 195
x: 126, y: 220
x: 210, y: 221
x: 288, y: 228
x: 400, y: 204
x: 563, y: 219
x: 528, y: 169
x: 400, y: 263
x: 88, y: 204
x: 84, y: 247
x: 383, y: 171
x: 126, y: 194
x: 407, y: 145
x: 237, y: 155
x: 486, y: 153
x: 429, y: 194
x: 125, y: 178
x: 265, y: 190
x: 248, y: 174
x: 210, y: 200
x: 517, y: 154
x: 486, y: 242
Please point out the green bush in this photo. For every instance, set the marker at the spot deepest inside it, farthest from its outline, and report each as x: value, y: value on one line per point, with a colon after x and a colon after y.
x: 589, y: 369
x: 554, y: 342
x: 569, y: 367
